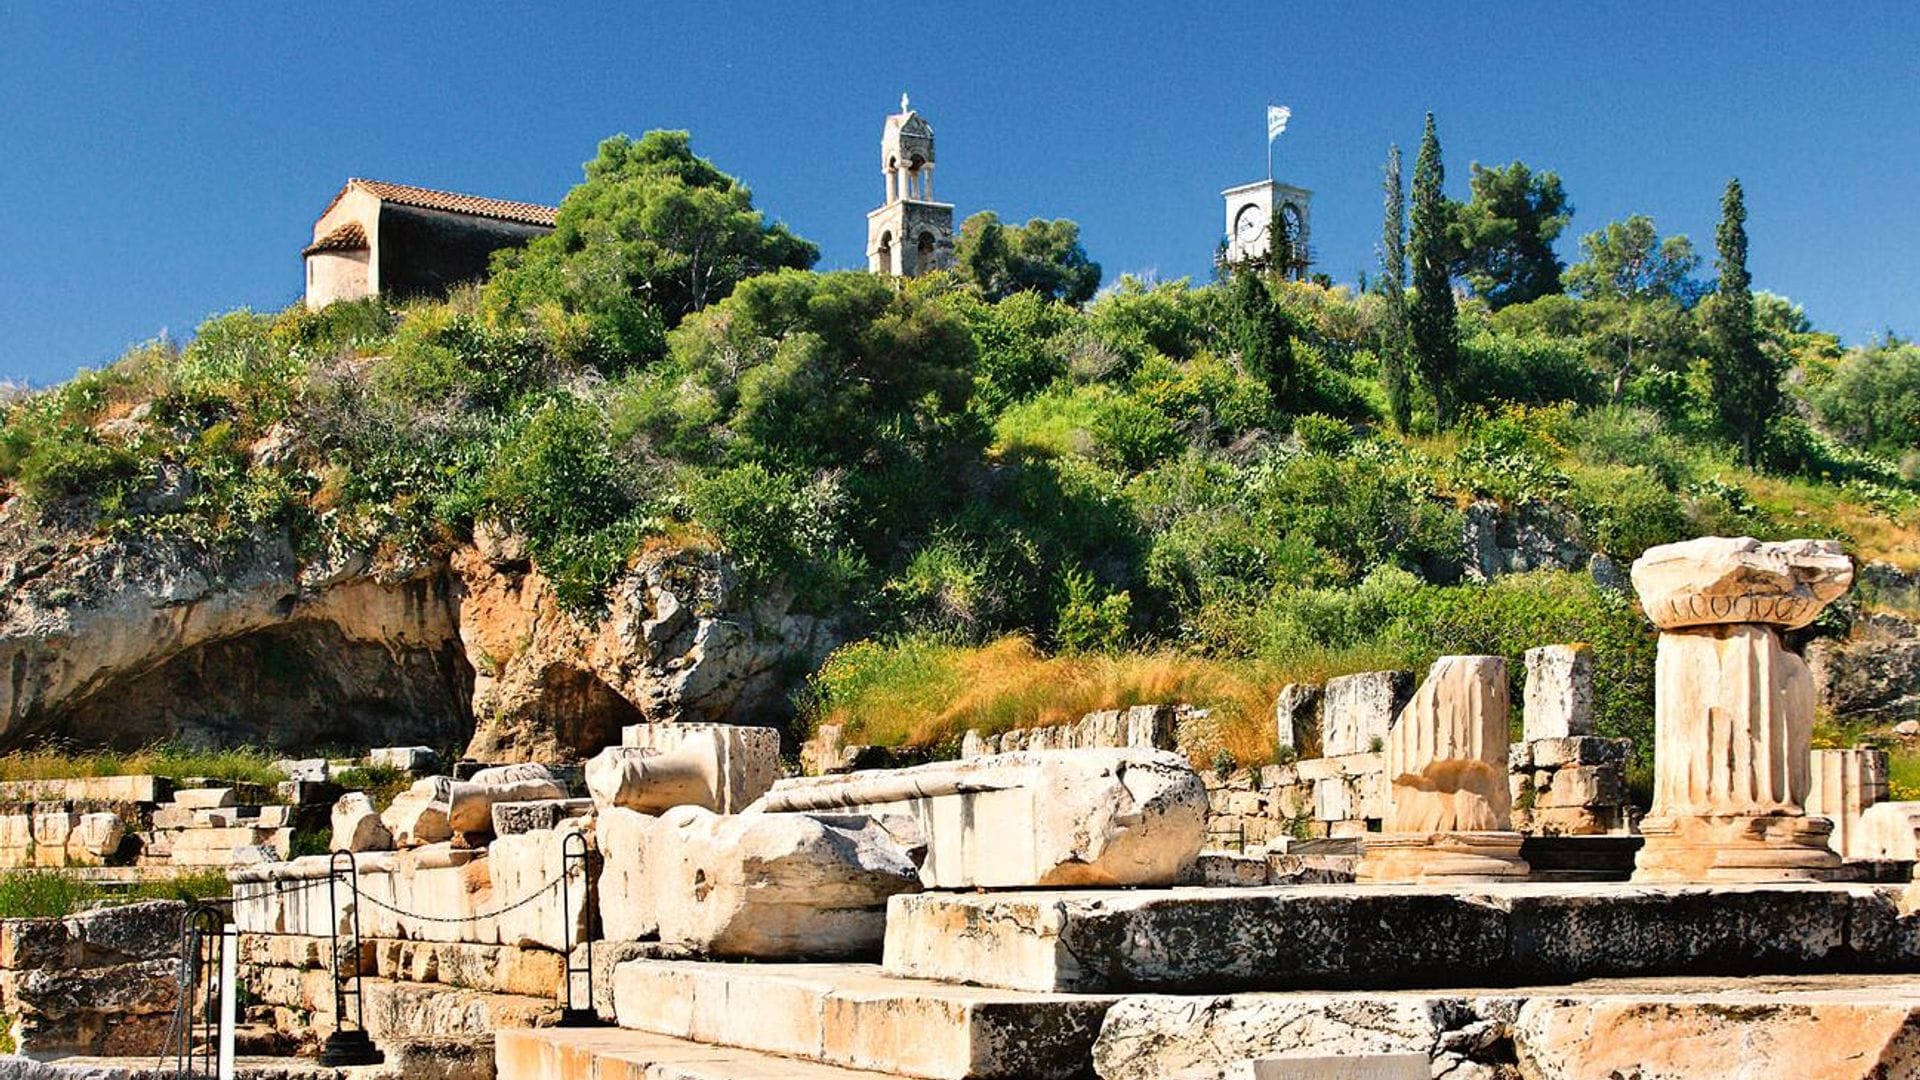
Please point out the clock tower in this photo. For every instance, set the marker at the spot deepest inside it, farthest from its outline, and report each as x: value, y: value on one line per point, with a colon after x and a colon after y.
x: 1250, y: 215
x: 909, y: 234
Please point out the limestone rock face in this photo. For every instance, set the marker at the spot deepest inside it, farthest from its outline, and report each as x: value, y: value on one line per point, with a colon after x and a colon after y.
x: 1533, y: 535
x: 1447, y: 753
x: 1062, y: 817
x: 680, y: 640
x: 356, y: 827
x: 773, y: 885
x: 1872, y: 675
x: 129, y: 642
x: 1718, y: 580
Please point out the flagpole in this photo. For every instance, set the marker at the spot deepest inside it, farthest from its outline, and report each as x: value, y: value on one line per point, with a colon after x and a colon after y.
x: 1269, y: 143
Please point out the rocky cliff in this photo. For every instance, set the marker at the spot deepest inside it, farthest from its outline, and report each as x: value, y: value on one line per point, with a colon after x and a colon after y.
x: 122, y: 642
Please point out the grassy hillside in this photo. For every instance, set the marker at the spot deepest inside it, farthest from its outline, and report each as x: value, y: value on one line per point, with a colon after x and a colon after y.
x: 1019, y: 508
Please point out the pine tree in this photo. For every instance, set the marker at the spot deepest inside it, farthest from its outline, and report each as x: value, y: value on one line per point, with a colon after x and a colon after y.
x: 1436, y: 346
x: 1746, y: 384
x: 1393, y: 286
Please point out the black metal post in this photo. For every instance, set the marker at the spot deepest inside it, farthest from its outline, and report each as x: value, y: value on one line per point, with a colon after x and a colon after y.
x: 199, y: 964
x: 347, y: 1046
x: 571, y: 1013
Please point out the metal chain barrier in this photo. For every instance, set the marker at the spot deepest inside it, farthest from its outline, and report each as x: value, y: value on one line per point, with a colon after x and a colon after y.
x: 552, y: 883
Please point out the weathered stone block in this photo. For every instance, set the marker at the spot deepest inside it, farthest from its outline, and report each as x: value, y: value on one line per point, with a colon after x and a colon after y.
x: 1582, y: 785
x: 522, y: 865
x: 205, y: 798
x: 650, y: 781
x: 1296, y: 715
x: 356, y: 827
x: 1356, y: 711
x: 772, y: 885
x: 418, y: 815
x: 1842, y: 784
x: 470, y: 802
x: 95, y: 839
x: 1328, y: 937
x: 1559, y: 694
x: 1105, y: 817
x: 626, y: 889
x: 1577, y: 750
x: 1447, y: 754
x: 510, y: 818
x: 748, y: 757
x: 850, y: 1016
x: 416, y: 760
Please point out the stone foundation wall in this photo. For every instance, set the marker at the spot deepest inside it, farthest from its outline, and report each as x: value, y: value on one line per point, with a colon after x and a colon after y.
x: 1571, y: 786
x: 101, y: 982
x: 142, y: 821
x: 1314, y: 799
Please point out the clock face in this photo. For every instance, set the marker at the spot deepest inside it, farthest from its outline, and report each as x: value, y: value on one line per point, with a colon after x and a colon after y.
x: 1249, y: 224
x: 1290, y: 217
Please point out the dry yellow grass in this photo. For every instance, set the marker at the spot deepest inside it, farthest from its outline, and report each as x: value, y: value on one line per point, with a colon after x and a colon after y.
x: 929, y: 694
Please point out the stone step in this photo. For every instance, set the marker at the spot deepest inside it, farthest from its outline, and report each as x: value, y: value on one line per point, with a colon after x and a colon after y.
x: 854, y: 1016
x: 296, y: 999
x: 1836, y: 1027
x: 617, y: 1054
x: 1322, y: 937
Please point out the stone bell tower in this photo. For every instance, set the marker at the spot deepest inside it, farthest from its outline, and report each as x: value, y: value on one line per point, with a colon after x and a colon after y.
x: 909, y: 234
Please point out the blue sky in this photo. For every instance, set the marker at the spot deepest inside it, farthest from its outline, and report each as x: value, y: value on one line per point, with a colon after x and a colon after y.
x: 162, y: 162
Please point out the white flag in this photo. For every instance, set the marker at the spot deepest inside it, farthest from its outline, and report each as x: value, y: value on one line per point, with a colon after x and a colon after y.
x: 1277, y: 116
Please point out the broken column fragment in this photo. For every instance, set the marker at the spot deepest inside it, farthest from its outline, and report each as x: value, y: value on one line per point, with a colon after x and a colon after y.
x: 1449, y: 810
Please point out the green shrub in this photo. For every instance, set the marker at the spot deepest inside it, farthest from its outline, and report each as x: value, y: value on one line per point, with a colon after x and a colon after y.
x: 1090, y: 619
x: 1319, y: 434
x: 43, y: 894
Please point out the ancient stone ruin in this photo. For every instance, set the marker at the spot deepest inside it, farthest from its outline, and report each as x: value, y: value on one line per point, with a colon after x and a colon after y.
x: 1427, y: 897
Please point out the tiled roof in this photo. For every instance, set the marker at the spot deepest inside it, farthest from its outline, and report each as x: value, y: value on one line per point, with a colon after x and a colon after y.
x: 453, y: 202
x: 348, y: 237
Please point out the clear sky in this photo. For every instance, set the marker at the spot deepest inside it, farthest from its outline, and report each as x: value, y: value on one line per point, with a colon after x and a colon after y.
x: 162, y: 162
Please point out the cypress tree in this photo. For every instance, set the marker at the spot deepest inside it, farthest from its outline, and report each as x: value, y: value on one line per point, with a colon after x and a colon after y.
x: 1263, y: 336
x: 1393, y: 286
x: 1746, y: 385
x: 1436, y: 346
